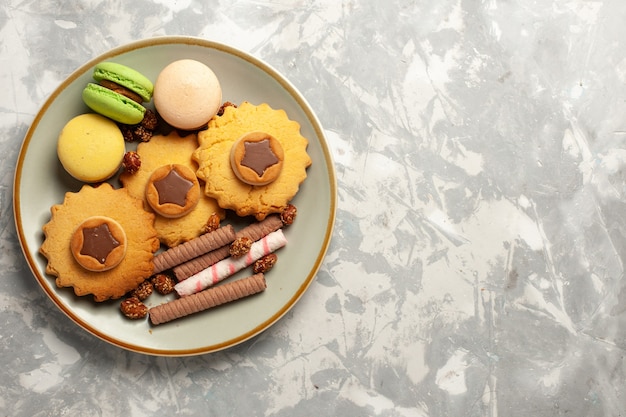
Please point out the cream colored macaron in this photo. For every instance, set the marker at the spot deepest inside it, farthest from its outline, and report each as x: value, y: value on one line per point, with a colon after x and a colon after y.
x: 91, y: 147
x: 187, y: 94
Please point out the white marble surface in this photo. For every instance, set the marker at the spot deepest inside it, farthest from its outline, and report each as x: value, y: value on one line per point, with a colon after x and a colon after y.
x: 477, y: 264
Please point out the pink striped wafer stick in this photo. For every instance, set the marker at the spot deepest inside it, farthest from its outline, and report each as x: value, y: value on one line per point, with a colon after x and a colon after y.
x: 227, y: 267
x: 254, y: 231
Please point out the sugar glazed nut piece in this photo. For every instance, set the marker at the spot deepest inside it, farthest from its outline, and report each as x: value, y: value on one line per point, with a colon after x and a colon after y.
x: 143, y: 291
x: 212, y: 224
x: 288, y: 214
x: 133, y: 308
x: 131, y: 162
x: 264, y: 264
x: 150, y: 120
x: 141, y: 132
x: 163, y: 283
x: 240, y: 247
x: 220, y: 112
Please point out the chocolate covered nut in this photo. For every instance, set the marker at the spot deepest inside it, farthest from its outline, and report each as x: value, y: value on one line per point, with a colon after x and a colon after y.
x: 173, y: 190
x: 98, y: 244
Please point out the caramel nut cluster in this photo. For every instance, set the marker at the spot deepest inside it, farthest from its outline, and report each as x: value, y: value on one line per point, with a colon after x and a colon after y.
x: 264, y: 264
x: 163, y: 284
x: 131, y: 162
x: 288, y: 214
x: 133, y: 308
x: 143, y: 131
x: 212, y: 224
x: 240, y: 246
x: 143, y: 291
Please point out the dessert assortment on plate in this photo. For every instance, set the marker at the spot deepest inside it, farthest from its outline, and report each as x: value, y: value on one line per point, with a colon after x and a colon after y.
x: 158, y: 226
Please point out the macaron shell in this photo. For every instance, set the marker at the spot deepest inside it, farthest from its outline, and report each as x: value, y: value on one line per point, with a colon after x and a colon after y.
x: 91, y: 147
x: 113, y: 105
x: 187, y: 94
x: 126, y: 77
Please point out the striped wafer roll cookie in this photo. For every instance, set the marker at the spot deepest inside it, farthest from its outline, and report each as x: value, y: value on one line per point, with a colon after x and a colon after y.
x: 227, y: 267
x: 206, y: 299
x: 193, y: 248
x: 254, y: 232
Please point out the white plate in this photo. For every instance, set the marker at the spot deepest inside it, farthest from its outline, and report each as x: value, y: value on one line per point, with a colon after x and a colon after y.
x: 40, y: 182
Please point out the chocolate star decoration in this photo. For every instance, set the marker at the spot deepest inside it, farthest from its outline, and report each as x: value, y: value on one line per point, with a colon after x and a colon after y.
x: 259, y: 156
x: 173, y: 188
x: 98, y: 242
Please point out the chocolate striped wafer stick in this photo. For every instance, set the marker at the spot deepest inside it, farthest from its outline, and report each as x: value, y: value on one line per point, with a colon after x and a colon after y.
x: 192, y: 267
x: 193, y: 248
x: 254, y: 232
x: 206, y: 299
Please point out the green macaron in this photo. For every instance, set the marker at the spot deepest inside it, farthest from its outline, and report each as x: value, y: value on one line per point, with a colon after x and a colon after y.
x: 112, y: 102
x: 124, y: 76
x: 113, y: 105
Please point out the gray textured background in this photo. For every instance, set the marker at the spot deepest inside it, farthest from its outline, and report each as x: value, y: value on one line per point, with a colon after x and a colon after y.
x: 477, y: 263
